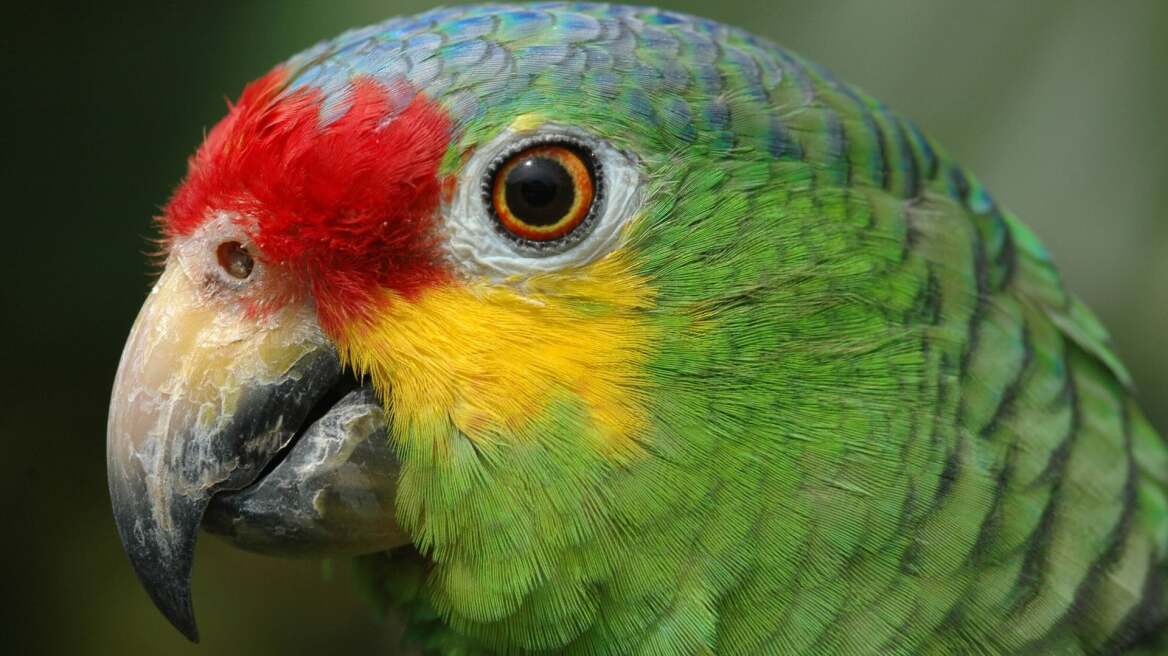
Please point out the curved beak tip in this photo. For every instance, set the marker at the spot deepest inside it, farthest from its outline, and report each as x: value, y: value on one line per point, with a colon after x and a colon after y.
x: 179, y: 610
x: 161, y: 550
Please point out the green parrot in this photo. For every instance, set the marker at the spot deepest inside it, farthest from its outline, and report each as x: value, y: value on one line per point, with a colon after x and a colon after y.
x: 599, y: 329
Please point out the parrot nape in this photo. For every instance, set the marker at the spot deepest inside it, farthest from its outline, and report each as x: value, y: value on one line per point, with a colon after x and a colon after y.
x: 610, y: 330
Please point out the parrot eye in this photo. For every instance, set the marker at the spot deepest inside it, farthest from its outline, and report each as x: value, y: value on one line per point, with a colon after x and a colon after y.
x: 539, y: 200
x: 234, y: 259
x: 543, y: 192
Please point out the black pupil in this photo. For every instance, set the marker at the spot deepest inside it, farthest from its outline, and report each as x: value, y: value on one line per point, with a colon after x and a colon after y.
x: 539, y: 191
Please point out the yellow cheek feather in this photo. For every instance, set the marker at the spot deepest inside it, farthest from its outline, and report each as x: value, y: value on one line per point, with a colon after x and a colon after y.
x: 490, y: 358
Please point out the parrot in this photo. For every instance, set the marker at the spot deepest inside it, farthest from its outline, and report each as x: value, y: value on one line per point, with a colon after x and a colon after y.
x: 601, y: 329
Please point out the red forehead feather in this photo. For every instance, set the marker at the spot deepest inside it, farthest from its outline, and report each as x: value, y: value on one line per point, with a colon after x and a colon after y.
x: 349, y: 204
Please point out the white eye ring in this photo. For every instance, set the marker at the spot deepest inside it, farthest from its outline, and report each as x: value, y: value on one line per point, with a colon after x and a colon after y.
x: 476, y: 245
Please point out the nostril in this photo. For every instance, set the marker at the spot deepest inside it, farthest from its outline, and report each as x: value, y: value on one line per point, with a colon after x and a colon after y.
x: 235, y: 259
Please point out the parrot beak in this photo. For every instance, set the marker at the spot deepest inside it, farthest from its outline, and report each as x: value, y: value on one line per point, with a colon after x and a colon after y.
x: 331, y: 494
x: 209, y: 401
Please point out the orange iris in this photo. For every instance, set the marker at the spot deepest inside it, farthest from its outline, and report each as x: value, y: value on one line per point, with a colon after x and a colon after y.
x: 544, y: 192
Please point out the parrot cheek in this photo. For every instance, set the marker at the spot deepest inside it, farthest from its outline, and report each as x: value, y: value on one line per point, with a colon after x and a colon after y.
x: 203, y: 400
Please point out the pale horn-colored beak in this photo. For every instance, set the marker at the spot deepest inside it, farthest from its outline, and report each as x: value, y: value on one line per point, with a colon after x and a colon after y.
x: 202, y: 402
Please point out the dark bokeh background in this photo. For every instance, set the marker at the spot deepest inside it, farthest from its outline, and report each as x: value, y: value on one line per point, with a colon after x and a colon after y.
x: 1059, y: 106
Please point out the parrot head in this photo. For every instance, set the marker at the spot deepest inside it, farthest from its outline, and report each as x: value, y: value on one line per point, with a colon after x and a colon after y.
x: 461, y: 281
x: 418, y: 256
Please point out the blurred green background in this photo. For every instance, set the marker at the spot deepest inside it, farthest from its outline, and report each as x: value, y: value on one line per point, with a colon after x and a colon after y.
x: 1060, y: 107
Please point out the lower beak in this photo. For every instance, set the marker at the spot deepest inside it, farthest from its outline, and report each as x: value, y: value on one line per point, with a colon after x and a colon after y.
x: 208, y: 401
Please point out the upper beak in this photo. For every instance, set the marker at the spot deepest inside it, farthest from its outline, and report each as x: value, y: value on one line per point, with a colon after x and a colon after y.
x: 203, y: 401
